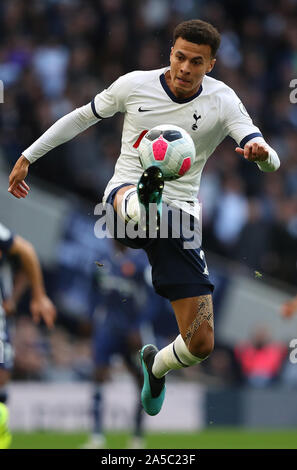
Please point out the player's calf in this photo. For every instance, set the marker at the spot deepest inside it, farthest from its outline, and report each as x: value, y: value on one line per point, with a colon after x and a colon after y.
x: 195, y: 320
x: 201, y: 344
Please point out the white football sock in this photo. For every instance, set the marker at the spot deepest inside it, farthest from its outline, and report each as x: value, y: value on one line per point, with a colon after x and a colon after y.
x: 130, y: 209
x: 174, y: 356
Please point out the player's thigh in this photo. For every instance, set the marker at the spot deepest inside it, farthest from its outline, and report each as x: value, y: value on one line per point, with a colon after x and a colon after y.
x: 119, y: 196
x: 194, y: 316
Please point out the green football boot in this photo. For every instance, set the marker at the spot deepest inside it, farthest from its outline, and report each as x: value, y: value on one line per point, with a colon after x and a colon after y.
x: 149, y: 189
x: 5, y: 436
x: 153, y: 390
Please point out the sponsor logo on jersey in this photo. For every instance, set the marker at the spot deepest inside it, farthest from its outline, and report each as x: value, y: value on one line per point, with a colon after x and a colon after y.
x: 143, y: 110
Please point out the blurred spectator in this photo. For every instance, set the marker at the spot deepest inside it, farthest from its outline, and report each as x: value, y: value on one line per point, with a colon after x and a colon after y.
x: 289, y: 308
x: 50, y: 64
x: 60, y: 357
x: 30, y: 359
x: 283, y: 256
x: 254, y: 241
x: 261, y: 359
x: 69, y: 360
x: 221, y: 368
x: 231, y: 214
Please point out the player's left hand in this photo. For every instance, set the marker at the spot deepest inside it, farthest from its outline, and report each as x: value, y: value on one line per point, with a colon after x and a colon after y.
x: 254, y: 152
x: 42, y: 307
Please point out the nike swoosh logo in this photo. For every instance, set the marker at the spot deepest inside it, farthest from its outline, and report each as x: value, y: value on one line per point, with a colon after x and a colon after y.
x: 143, y: 110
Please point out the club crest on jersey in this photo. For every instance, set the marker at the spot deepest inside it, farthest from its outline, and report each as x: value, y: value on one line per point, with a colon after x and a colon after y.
x: 194, y: 126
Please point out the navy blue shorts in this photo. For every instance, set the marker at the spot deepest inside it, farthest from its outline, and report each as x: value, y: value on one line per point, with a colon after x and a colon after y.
x: 177, y: 272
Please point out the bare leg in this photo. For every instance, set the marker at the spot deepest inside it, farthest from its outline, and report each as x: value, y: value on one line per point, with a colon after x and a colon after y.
x: 194, y: 316
x: 195, y: 343
x: 117, y: 204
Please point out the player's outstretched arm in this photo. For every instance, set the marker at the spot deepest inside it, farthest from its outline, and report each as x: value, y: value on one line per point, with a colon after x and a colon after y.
x: 260, y: 153
x: 61, y: 131
x: 41, y: 306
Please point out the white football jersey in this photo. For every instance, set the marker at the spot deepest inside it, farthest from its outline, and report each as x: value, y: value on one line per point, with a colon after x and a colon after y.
x: 214, y: 112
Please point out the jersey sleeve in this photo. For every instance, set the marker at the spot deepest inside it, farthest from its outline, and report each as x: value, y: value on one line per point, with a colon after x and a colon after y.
x: 113, y: 99
x: 6, y: 238
x: 61, y: 131
x: 236, y: 120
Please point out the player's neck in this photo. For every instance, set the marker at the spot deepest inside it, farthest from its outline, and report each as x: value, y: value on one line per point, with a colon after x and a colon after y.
x: 179, y: 94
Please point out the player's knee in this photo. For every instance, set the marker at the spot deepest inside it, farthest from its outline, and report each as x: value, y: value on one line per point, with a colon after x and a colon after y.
x: 202, y: 347
x: 120, y: 195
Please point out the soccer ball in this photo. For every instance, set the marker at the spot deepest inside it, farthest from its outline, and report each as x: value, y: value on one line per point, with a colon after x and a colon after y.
x: 168, y: 147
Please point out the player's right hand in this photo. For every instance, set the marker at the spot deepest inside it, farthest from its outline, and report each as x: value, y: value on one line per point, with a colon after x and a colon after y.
x: 17, y: 186
x: 254, y: 152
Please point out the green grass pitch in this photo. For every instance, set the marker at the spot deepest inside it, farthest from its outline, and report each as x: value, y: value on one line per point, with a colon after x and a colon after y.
x: 216, y: 438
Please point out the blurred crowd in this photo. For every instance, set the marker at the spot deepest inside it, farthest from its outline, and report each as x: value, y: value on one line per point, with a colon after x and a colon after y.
x: 105, y: 301
x: 61, y: 356
x: 56, y: 55
x: 104, y: 296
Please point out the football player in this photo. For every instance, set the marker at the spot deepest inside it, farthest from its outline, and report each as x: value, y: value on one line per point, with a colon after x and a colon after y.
x: 209, y: 110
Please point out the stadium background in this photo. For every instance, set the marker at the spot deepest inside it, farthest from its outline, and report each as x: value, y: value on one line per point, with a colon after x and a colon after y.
x: 55, y: 56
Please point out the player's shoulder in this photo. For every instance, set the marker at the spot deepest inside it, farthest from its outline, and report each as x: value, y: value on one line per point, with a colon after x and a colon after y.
x: 140, y: 77
x: 218, y: 88
x: 224, y: 96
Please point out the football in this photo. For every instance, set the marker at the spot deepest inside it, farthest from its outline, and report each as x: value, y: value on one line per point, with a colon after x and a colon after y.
x: 168, y: 147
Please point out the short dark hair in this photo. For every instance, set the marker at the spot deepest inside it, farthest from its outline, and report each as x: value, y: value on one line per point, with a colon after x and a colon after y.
x: 199, y: 32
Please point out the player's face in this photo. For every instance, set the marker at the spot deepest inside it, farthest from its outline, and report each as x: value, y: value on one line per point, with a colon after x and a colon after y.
x: 189, y: 62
